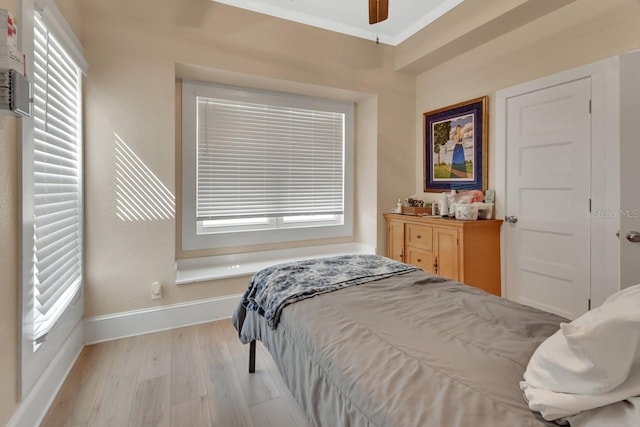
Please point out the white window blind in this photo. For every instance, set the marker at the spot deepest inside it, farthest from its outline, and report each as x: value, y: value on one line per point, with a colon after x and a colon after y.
x: 57, y: 180
x: 259, y: 160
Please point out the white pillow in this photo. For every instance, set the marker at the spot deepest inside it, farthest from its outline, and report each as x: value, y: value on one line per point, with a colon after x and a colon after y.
x: 595, y: 353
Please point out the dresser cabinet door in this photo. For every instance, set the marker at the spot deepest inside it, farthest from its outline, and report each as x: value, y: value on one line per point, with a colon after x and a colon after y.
x: 446, y: 250
x: 395, y: 240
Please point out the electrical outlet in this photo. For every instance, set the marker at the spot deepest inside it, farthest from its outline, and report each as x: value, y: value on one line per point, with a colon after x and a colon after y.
x: 156, y: 290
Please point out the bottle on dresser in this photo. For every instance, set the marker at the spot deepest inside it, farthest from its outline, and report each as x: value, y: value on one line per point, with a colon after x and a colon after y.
x: 443, y: 205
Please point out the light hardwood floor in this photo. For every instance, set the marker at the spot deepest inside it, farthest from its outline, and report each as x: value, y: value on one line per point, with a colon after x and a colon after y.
x: 193, y: 376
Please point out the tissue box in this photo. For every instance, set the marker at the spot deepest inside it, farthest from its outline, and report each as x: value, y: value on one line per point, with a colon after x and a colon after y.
x: 466, y: 211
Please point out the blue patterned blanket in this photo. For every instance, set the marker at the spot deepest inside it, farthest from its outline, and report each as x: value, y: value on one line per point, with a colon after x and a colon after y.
x: 273, y: 288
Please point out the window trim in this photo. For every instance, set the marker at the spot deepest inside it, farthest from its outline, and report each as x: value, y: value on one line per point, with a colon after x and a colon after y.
x: 33, y: 363
x: 193, y: 241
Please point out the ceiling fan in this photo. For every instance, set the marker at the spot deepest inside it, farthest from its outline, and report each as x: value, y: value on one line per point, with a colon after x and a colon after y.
x: 378, y: 11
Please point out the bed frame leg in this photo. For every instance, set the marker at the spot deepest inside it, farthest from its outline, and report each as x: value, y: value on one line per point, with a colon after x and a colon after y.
x: 252, y: 356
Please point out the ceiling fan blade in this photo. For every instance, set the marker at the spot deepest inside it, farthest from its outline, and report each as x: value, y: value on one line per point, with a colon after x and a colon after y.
x: 378, y: 11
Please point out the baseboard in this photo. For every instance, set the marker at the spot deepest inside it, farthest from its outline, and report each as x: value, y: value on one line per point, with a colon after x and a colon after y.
x: 138, y: 322
x: 35, y: 405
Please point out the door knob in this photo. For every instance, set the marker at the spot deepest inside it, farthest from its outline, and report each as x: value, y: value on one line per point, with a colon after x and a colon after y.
x: 511, y: 219
x: 633, y: 236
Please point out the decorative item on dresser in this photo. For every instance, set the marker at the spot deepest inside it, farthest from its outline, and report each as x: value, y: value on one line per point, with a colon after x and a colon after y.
x: 466, y: 251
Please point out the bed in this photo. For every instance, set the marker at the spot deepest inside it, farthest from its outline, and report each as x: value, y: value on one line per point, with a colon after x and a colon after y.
x: 405, y: 349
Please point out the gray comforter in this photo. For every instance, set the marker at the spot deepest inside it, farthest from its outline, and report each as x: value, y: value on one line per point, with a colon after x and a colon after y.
x: 273, y: 288
x: 410, y: 350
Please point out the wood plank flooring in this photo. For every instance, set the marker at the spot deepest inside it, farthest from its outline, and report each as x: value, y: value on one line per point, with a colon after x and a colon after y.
x: 189, y: 377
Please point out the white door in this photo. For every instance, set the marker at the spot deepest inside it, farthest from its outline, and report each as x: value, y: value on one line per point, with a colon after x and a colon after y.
x: 629, y: 170
x: 548, y: 150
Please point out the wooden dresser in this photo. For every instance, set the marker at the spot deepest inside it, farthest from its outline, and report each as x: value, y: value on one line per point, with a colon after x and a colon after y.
x: 466, y: 251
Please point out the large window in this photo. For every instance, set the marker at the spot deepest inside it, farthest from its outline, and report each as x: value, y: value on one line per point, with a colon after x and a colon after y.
x: 57, y: 182
x: 52, y: 270
x: 263, y: 167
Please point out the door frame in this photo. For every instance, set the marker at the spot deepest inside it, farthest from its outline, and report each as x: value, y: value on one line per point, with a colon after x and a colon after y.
x: 605, y: 176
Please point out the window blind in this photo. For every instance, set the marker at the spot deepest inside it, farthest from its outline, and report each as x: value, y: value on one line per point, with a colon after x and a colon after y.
x: 257, y: 160
x: 57, y: 180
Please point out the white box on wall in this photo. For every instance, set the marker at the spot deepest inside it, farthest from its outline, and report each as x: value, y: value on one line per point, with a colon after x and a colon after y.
x: 10, y: 57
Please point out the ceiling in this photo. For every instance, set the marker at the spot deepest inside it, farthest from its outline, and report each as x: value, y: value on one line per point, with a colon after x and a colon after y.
x: 351, y: 17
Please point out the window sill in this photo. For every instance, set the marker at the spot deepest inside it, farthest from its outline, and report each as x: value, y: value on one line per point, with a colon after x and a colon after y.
x: 195, y: 270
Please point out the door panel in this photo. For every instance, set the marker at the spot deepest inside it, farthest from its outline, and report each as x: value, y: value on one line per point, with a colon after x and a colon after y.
x: 395, y: 240
x: 446, y: 248
x: 548, y: 190
x: 629, y: 169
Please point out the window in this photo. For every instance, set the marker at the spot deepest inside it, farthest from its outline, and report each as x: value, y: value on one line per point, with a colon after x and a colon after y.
x: 52, y: 256
x: 264, y: 167
x: 57, y: 181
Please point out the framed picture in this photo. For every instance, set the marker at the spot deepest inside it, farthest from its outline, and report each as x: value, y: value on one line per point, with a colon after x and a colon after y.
x: 455, y: 147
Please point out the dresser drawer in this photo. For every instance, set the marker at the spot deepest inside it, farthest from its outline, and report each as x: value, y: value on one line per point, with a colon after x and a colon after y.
x: 420, y: 258
x: 419, y: 236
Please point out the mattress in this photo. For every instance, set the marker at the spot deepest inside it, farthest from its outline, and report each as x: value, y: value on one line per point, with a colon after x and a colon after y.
x: 409, y: 350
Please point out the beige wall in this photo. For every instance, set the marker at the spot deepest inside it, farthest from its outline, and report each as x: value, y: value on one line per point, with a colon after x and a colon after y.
x: 366, y: 174
x: 134, y: 49
x: 72, y: 13
x: 578, y: 34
